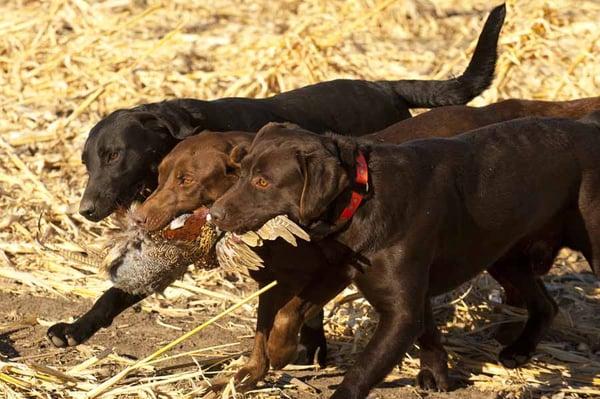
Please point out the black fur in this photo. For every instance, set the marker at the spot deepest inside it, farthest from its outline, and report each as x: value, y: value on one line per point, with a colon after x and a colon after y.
x: 141, y: 136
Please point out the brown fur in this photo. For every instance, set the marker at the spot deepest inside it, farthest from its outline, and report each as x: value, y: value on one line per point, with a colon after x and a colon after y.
x: 206, y: 155
x: 210, y: 154
x: 438, y: 212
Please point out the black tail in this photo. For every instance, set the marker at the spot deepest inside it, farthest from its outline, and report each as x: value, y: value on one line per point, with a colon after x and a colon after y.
x: 592, y: 118
x: 477, y: 77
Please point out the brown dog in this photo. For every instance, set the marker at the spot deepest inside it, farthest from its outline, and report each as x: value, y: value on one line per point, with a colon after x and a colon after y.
x: 196, y: 173
x: 200, y: 169
x: 434, y: 213
x: 452, y: 120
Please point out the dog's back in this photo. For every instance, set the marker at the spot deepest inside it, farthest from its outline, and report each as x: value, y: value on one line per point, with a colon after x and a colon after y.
x: 531, y: 180
x: 456, y: 119
x: 505, y: 180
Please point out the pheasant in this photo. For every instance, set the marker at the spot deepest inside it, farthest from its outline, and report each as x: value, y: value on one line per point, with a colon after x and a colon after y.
x: 139, y: 262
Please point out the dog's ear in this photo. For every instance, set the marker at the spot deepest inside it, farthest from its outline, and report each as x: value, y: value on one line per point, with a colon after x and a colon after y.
x: 324, y: 179
x: 232, y: 162
x: 178, y: 121
x: 237, y: 153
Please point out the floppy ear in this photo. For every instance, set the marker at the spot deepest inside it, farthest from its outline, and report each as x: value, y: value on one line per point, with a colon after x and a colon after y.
x: 177, y: 120
x: 324, y: 179
x: 232, y: 161
x: 237, y: 153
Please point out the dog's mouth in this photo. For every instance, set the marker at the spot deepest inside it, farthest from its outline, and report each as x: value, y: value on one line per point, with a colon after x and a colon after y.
x: 141, y: 191
x: 235, y: 250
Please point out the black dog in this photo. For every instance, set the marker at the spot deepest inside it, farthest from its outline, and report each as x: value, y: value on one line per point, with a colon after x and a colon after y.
x: 426, y: 216
x: 123, y: 150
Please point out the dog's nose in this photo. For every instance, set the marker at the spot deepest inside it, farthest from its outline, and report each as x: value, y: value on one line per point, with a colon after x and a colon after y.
x: 87, y: 208
x: 216, y: 214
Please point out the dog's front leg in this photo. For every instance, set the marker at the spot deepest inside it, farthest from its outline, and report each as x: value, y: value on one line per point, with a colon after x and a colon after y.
x: 283, y: 340
x: 313, y: 341
x: 433, y: 357
x: 106, y: 308
x: 395, y: 333
x: 307, y: 305
x: 398, y: 294
x: 258, y: 365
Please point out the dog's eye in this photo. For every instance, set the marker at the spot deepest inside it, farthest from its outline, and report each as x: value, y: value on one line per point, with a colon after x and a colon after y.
x: 112, y: 156
x: 261, y: 182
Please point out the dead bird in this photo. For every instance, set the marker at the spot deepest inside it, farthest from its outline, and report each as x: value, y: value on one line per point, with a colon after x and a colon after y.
x: 139, y: 262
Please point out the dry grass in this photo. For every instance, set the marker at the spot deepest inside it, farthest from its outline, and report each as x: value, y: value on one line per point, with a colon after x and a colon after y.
x: 66, y: 63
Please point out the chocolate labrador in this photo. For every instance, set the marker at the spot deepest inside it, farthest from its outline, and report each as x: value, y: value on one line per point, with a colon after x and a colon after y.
x: 209, y: 160
x: 202, y: 168
x: 196, y: 173
x: 427, y: 216
x: 123, y: 150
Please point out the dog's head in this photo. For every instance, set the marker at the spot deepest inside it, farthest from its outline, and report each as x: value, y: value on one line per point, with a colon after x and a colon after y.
x: 199, y: 170
x: 122, y: 154
x: 287, y: 171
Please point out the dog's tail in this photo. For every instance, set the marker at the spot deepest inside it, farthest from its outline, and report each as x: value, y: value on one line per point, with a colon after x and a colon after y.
x: 592, y: 118
x: 477, y: 77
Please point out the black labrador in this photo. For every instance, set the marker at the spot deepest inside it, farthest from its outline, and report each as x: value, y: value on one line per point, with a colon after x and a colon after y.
x: 123, y: 150
x: 427, y: 216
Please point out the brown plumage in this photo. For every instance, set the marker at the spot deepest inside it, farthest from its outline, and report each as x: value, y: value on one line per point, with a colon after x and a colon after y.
x: 139, y: 262
x: 144, y: 263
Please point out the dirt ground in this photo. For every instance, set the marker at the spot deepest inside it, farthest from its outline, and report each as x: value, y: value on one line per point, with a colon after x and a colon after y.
x: 137, y: 333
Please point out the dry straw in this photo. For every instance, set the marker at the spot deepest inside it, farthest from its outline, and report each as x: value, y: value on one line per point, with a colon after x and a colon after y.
x: 121, y: 375
x: 66, y: 63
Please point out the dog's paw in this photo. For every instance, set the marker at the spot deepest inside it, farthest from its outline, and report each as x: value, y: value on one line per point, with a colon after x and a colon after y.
x: 245, y: 379
x: 514, y: 356
x: 344, y: 392
x: 217, y: 384
x: 427, y: 379
x: 64, y: 334
x: 249, y: 375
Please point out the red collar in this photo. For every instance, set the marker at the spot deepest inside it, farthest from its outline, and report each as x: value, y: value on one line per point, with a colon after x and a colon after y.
x: 362, y: 179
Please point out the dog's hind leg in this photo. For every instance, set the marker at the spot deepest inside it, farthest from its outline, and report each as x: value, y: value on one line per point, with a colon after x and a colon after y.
x: 106, y: 308
x: 433, y: 357
x: 584, y: 226
x: 541, y: 308
x: 258, y: 365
